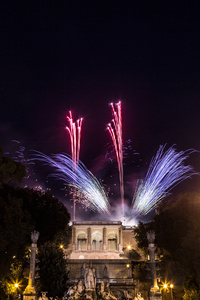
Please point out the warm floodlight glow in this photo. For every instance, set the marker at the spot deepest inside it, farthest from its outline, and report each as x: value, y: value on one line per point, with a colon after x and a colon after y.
x: 61, y: 246
x: 16, y: 285
x: 129, y: 247
x: 127, y: 265
x: 171, y: 286
x: 165, y: 286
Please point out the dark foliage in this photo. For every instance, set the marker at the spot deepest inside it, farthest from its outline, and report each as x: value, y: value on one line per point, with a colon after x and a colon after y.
x: 22, y: 211
x: 53, y: 274
x: 177, y: 227
x: 140, y: 233
x: 45, y: 213
x: 10, y: 170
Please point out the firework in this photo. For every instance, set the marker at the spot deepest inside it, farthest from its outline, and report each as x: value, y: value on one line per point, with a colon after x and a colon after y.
x: 115, y: 130
x: 89, y: 190
x: 166, y: 170
x: 74, y: 130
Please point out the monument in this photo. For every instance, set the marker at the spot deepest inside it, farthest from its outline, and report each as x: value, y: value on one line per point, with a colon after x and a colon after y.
x: 88, y: 290
x: 138, y: 296
x: 30, y: 292
x: 89, y: 277
x: 96, y: 261
x: 44, y: 296
x: 155, y: 293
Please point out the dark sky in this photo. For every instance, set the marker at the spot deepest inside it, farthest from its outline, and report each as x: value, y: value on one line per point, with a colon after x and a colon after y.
x: 80, y: 55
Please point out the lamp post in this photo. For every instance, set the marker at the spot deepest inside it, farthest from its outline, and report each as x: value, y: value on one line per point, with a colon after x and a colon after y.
x: 171, y: 290
x: 16, y: 287
x: 129, y: 247
x: 129, y: 270
x: 165, y: 291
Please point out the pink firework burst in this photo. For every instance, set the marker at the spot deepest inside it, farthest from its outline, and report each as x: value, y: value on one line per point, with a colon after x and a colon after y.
x: 74, y: 130
x: 115, y: 130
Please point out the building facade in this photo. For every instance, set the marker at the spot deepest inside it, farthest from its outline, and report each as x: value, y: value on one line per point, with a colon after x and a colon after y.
x: 101, y: 245
x: 96, y: 240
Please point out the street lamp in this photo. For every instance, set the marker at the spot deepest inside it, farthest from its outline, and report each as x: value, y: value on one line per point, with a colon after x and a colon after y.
x: 165, y: 290
x: 171, y: 290
x: 129, y: 270
x: 129, y: 247
x: 16, y: 285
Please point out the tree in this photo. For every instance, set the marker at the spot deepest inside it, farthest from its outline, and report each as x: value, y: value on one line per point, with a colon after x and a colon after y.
x: 10, y: 170
x: 22, y: 211
x: 8, y: 287
x: 15, y: 228
x: 177, y: 228
x: 140, y: 233
x: 53, y: 273
x: 191, y: 289
x: 45, y: 213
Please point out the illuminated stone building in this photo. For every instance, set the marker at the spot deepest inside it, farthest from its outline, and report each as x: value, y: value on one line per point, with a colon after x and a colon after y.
x: 101, y: 244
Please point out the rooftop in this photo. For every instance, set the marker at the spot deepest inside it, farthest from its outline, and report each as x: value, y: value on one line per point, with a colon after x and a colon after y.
x: 97, y: 223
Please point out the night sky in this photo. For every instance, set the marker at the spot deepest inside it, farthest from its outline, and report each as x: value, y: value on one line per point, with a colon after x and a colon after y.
x: 58, y: 56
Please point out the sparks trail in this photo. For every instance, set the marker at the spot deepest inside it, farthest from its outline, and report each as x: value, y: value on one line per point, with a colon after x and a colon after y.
x: 115, y: 130
x: 130, y: 155
x: 88, y: 189
x: 74, y: 130
x: 166, y: 170
x: 19, y: 154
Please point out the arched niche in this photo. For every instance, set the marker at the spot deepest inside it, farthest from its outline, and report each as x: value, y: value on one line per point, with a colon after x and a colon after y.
x: 81, y: 241
x: 112, y: 240
x: 97, y: 241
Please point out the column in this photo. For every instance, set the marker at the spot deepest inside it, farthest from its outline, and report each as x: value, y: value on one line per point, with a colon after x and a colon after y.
x: 104, y: 238
x: 73, y: 238
x: 154, y: 291
x: 30, y: 291
x: 152, y: 248
x: 120, y: 239
x: 89, y: 238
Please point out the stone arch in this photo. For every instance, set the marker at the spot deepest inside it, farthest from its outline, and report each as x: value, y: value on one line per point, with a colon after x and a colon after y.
x: 97, y: 240
x: 112, y: 240
x: 81, y: 241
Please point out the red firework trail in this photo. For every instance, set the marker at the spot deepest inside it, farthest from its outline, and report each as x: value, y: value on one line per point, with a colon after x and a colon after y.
x: 115, y: 130
x: 74, y: 130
